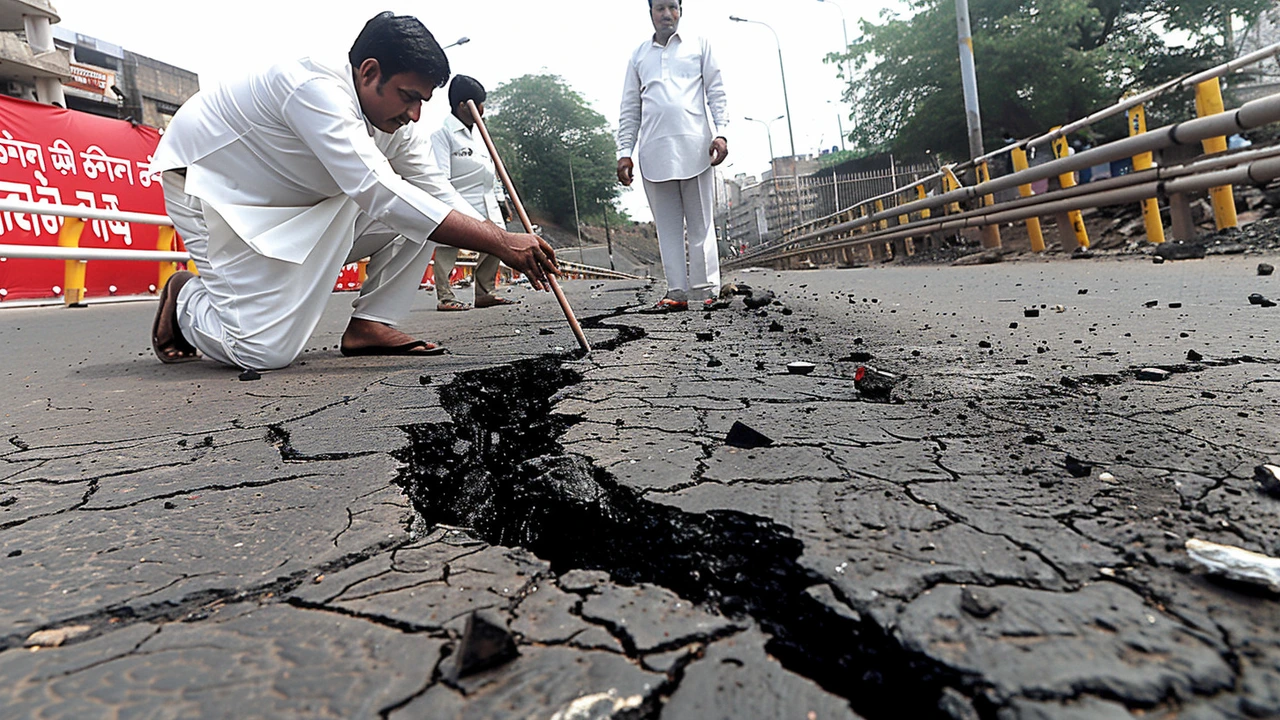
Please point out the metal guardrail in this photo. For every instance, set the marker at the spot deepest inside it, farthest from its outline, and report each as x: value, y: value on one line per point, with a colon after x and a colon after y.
x: 886, y: 218
x: 75, y: 219
x: 571, y: 269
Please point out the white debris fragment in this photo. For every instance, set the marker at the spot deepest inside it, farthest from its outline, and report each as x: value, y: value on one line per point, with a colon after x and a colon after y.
x: 1236, y: 563
x: 55, y: 638
x: 586, y: 707
x: 1107, y: 477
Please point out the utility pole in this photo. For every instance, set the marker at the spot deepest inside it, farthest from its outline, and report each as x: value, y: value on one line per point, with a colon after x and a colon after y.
x: 608, y: 238
x: 573, y: 186
x: 972, y: 114
x: 969, y: 78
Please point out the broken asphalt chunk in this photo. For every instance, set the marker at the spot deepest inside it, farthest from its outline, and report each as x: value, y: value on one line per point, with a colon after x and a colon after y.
x: 250, y: 376
x: 1256, y: 299
x: 486, y: 643
x: 742, y: 436
x: 1194, y: 356
x: 755, y: 301
x: 1077, y: 468
x: 1269, y: 477
x: 978, y: 603
x: 1236, y: 563
x: 1180, y: 251
x: 874, y: 384
x: 1031, y: 312
x: 1265, y: 269
x: 704, y: 335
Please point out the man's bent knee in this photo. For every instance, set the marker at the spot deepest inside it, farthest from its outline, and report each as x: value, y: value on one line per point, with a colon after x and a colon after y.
x: 259, y: 354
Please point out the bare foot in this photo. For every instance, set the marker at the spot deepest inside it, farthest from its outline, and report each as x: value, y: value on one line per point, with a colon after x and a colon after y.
x: 366, y: 337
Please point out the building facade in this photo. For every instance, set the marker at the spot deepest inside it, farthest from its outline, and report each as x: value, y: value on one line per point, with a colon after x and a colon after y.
x: 43, y: 61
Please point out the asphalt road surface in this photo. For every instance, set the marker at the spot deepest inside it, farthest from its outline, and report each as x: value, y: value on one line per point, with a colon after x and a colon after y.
x: 517, y: 530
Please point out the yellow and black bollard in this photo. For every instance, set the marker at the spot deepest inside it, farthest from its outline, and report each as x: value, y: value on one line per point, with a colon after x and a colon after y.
x: 1145, y: 161
x: 74, y: 276
x: 1209, y: 102
x: 1034, y: 231
x: 1071, y: 223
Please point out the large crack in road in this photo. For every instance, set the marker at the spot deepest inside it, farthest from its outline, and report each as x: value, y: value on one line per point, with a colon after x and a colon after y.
x: 498, y: 469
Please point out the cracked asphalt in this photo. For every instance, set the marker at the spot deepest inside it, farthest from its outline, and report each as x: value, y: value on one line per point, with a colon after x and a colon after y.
x: 313, y: 544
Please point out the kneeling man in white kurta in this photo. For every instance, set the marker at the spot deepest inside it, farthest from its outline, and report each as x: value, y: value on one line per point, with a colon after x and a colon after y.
x: 276, y: 181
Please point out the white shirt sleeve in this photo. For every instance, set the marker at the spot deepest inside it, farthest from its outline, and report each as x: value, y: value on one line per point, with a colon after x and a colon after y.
x: 629, y: 116
x: 417, y: 160
x: 322, y: 115
x: 713, y: 86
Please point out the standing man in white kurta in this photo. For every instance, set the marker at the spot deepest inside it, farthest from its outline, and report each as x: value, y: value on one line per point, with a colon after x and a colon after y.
x: 671, y: 82
x: 460, y: 151
x: 278, y: 180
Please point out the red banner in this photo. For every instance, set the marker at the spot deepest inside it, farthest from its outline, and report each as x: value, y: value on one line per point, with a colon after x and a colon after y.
x: 51, y: 155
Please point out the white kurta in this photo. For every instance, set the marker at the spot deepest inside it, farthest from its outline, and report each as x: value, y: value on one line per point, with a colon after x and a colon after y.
x: 283, y: 172
x: 462, y: 153
x: 278, y: 153
x: 666, y: 94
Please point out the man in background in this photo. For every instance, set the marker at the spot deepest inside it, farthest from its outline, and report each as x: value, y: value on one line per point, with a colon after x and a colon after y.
x: 671, y: 82
x: 461, y: 152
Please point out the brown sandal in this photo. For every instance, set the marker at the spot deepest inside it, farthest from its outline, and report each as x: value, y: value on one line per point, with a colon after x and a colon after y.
x: 452, y: 305
x: 166, y: 337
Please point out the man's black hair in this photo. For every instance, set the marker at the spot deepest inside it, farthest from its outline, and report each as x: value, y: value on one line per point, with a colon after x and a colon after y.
x: 463, y: 88
x: 401, y: 43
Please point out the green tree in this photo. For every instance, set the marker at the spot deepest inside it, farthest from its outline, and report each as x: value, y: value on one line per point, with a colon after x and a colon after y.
x: 541, y: 125
x: 1040, y: 63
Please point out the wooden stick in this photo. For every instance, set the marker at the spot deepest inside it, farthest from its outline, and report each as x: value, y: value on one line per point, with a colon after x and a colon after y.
x: 528, y: 226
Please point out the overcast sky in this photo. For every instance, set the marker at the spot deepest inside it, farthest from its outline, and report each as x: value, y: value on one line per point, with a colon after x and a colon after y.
x: 587, y: 42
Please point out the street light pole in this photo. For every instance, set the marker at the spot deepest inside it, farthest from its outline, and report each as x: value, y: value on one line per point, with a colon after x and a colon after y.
x: 768, y: 129
x: 845, y: 27
x: 773, y: 168
x: 786, y: 103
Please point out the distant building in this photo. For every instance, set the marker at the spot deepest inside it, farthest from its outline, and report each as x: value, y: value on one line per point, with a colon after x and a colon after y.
x: 31, y: 66
x: 43, y: 61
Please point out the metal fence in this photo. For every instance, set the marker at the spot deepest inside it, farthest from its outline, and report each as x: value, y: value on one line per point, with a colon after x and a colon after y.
x: 968, y: 196
x: 827, y: 193
x: 169, y: 260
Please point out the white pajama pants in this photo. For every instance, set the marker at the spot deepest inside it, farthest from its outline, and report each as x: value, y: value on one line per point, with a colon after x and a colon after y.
x: 251, y: 311
x: 687, y: 208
